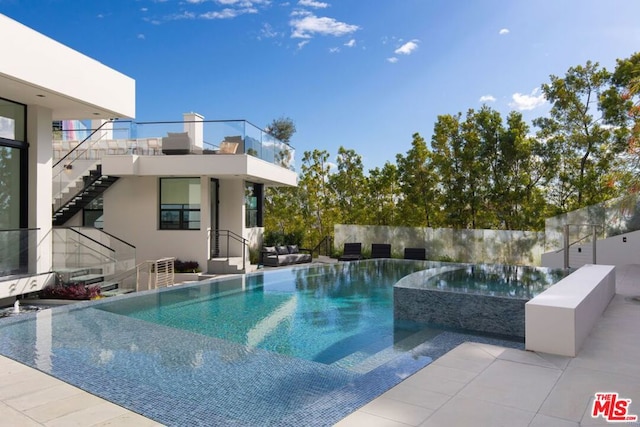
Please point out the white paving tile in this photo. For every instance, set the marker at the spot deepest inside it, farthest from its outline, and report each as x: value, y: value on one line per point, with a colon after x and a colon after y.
x: 42, y: 397
x: 398, y: 411
x: 361, y: 419
x: 517, y: 385
x: 407, y: 393
x: 89, y: 416
x: 545, y: 421
x: 14, y: 418
x: 462, y: 411
x: 57, y: 409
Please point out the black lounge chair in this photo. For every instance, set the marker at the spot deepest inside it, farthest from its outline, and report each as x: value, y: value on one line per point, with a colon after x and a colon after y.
x: 415, y: 253
x: 352, y: 252
x: 380, y: 250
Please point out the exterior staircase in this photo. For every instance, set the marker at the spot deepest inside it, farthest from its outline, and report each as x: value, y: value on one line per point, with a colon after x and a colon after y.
x: 80, y: 194
x: 231, y: 265
x: 89, y: 277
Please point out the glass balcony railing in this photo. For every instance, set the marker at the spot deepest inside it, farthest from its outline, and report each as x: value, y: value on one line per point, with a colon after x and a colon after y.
x: 122, y: 137
x: 17, y: 247
x: 85, y: 247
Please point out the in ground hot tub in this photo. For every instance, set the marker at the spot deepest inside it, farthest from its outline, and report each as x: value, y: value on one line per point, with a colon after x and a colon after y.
x: 482, y: 297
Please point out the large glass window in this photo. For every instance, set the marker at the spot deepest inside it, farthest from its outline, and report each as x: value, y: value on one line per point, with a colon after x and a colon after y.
x: 179, y: 203
x: 12, y: 121
x: 253, y: 204
x: 14, y: 239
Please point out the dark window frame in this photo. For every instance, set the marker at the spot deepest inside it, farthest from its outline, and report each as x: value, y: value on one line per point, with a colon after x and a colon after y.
x: 181, y: 212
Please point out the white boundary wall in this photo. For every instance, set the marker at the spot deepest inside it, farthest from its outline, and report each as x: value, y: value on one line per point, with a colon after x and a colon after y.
x: 558, y: 320
x: 476, y: 246
x: 617, y: 250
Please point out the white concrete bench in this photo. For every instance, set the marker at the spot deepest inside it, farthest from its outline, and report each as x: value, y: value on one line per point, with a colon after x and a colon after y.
x: 558, y: 320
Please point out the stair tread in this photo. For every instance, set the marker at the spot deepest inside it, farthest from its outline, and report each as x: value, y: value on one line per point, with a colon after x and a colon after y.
x: 86, y: 277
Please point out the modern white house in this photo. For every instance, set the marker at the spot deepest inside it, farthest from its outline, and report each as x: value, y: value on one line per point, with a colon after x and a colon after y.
x: 189, y: 189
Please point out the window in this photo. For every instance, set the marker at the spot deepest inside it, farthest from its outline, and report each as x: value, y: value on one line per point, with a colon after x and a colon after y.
x: 253, y: 204
x: 179, y: 203
x: 13, y: 165
x: 92, y: 213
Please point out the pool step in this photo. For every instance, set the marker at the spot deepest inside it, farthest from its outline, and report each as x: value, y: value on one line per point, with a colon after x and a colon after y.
x: 365, y: 361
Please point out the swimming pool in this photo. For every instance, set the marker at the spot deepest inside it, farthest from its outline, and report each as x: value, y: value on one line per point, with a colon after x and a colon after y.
x: 300, y: 346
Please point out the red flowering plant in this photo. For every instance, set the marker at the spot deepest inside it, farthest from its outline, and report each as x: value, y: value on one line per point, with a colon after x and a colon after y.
x: 71, y: 291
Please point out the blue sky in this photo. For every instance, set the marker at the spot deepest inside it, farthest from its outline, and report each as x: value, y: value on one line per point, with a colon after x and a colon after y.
x: 364, y: 74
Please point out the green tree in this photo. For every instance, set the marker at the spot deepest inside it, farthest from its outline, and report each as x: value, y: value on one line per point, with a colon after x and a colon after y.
x: 282, y: 128
x: 585, y: 148
x: 418, y: 203
x: 316, y: 197
x: 383, y: 191
x: 349, y: 186
x: 282, y: 204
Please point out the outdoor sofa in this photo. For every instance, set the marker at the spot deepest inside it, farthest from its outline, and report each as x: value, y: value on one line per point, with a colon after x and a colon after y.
x: 275, y: 256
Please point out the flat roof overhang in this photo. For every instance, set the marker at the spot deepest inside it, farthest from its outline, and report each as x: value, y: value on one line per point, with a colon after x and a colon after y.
x: 229, y: 166
x: 37, y: 70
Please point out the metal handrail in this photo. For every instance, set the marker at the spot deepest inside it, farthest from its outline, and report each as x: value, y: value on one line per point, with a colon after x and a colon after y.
x: 327, y: 242
x: 86, y: 237
x: 82, y: 142
x: 238, y: 238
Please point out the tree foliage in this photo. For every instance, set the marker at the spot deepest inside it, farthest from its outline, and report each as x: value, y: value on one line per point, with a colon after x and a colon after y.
x: 480, y: 170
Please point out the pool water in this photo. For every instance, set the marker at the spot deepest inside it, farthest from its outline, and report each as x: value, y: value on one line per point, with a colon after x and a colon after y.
x: 326, y: 314
x: 514, y: 281
x: 301, y: 346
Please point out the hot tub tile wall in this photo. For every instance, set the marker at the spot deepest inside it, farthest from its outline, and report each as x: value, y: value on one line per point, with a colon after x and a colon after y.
x: 483, y: 313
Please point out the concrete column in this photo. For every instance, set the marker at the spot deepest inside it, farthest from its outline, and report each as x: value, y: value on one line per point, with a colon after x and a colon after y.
x: 195, y: 128
x: 40, y: 137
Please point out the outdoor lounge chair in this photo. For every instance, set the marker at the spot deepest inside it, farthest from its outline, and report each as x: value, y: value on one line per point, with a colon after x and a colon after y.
x: 415, y: 253
x: 380, y: 250
x: 352, y: 252
x: 227, y: 147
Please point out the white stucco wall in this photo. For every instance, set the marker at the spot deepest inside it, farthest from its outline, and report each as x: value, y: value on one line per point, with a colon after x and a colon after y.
x: 47, y: 65
x: 131, y: 210
x: 616, y: 250
x: 39, y: 135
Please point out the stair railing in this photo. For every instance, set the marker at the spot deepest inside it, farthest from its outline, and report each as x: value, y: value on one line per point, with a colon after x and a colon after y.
x: 91, y: 243
x: 568, y: 242
x: 326, y: 243
x: 82, y: 251
x: 229, y: 236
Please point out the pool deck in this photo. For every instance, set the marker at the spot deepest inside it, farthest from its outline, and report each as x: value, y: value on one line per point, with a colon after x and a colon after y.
x: 474, y: 384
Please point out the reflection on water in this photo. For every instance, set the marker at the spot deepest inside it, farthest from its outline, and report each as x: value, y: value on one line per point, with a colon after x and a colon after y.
x: 498, y: 280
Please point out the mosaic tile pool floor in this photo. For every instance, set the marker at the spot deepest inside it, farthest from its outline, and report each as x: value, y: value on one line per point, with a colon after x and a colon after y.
x: 180, y: 378
x: 170, y: 364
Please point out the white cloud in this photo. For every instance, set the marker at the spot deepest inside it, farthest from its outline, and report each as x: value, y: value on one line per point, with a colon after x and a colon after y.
x: 141, y: 36
x: 228, y: 13
x: 303, y: 43
x: 313, y: 3
x: 350, y: 43
x: 393, y: 59
x: 503, y: 31
x: 334, y: 49
x: 310, y: 25
x: 144, y: 9
x: 407, y: 48
x: 524, y: 102
x: 268, y: 32
x: 183, y: 15
x: 487, y: 98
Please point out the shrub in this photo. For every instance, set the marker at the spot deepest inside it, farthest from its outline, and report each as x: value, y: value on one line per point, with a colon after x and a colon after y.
x: 186, y: 266
x: 72, y: 291
x: 277, y: 238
